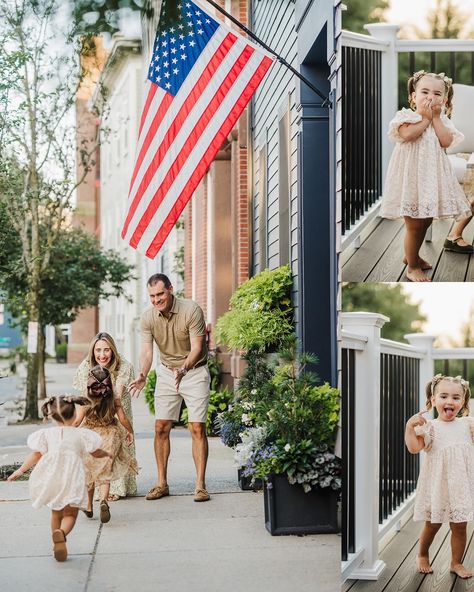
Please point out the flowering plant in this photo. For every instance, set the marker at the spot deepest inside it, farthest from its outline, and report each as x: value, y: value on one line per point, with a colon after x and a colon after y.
x: 286, y: 425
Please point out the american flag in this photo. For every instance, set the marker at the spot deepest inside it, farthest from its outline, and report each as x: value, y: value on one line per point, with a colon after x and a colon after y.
x: 201, y: 76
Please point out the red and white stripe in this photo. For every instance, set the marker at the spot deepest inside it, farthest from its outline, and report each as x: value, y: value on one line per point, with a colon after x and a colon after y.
x: 180, y: 136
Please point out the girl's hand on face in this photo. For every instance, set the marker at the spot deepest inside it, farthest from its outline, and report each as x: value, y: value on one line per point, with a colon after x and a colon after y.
x: 436, y: 107
x: 424, y: 109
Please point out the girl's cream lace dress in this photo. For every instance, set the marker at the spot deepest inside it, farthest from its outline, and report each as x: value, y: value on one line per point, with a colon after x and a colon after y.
x: 445, y: 490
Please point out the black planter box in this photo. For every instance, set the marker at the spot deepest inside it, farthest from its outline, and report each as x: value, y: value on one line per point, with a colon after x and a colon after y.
x: 245, y: 482
x: 289, y: 510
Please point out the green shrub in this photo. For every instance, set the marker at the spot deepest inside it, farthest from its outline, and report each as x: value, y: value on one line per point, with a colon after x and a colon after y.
x: 214, y: 370
x: 149, y: 391
x: 61, y: 352
x: 260, y: 316
x: 269, y: 289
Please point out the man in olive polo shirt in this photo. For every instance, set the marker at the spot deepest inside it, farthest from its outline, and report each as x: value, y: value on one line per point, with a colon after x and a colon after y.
x: 178, y: 328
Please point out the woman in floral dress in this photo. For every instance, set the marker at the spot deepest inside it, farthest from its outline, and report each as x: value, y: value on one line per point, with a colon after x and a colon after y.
x: 103, y: 351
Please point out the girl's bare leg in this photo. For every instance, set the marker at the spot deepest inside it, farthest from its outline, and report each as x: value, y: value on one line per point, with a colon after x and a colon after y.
x: 90, y: 495
x: 69, y: 519
x: 422, y: 262
x: 415, y: 233
x: 458, y: 545
x: 56, y: 517
x: 58, y: 535
x: 104, y: 489
x: 426, y: 538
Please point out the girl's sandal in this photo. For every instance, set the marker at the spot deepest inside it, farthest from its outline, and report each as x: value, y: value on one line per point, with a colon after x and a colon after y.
x: 451, y: 244
x: 59, y: 545
x: 113, y: 498
x: 104, y: 512
x: 89, y: 513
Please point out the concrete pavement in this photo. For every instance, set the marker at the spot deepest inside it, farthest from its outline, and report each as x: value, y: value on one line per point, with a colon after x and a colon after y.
x: 172, y: 544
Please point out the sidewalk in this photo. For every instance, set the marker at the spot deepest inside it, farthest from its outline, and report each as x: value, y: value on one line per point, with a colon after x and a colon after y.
x: 172, y: 544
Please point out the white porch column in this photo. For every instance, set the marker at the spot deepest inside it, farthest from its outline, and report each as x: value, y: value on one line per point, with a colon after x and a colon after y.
x: 424, y: 342
x: 367, y: 440
x: 387, y: 33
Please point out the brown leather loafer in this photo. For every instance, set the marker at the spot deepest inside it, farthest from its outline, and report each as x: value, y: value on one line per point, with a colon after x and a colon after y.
x: 157, y: 492
x: 201, y: 495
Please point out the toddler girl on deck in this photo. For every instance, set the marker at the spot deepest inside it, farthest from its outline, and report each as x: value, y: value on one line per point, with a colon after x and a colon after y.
x: 445, y: 489
x: 58, y: 481
x: 100, y: 417
x: 421, y: 184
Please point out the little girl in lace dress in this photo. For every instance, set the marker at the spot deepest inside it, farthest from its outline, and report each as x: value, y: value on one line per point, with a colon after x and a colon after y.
x: 421, y: 184
x: 445, y: 489
x: 58, y: 481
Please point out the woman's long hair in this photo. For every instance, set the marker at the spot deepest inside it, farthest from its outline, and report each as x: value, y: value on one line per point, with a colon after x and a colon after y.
x: 115, y: 360
x: 100, y: 393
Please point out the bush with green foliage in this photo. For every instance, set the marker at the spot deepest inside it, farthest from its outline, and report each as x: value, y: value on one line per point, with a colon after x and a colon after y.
x: 61, y: 352
x: 149, y: 391
x: 261, y: 315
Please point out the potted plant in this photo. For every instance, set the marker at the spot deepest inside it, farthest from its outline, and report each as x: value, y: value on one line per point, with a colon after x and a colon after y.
x: 282, y: 423
x: 301, y: 473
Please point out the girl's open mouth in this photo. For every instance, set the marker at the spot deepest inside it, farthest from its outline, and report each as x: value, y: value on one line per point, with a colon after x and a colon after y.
x: 449, y: 412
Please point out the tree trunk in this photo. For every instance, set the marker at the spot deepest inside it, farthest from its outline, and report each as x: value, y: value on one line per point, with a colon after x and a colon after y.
x: 31, y: 409
x: 41, y: 361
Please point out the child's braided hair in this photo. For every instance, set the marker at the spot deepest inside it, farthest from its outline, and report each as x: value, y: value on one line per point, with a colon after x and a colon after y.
x: 62, y: 407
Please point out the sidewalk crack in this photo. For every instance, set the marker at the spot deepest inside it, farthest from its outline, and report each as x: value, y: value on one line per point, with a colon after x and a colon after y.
x: 91, y: 565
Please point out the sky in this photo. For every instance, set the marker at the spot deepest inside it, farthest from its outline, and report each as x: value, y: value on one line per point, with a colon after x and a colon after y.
x: 445, y: 304
x: 414, y: 11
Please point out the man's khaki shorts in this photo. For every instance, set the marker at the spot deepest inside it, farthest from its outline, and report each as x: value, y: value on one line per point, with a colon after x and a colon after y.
x: 194, y: 389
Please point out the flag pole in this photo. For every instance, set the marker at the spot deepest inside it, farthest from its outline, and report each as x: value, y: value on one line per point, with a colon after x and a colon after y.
x: 326, y: 101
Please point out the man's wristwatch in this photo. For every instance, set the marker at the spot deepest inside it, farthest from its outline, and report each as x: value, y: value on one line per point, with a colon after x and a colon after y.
x: 182, y: 371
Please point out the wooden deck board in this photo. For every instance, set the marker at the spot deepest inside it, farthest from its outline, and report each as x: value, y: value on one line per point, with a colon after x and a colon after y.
x: 391, y: 263
x: 400, y: 573
x: 357, y: 268
x: 468, y: 561
x: 405, y: 541
x: 379, y: 258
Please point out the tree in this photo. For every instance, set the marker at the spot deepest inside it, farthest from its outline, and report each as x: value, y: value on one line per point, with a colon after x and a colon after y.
x: 385, y: 299
x: 41, y: 74
x: 361, y: 12
x: 79, y: 275
x: 103, y: 16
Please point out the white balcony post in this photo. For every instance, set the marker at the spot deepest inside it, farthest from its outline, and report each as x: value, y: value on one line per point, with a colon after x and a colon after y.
x: 423, y: 341
x: 367, y: 441
x: 387, y: 33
